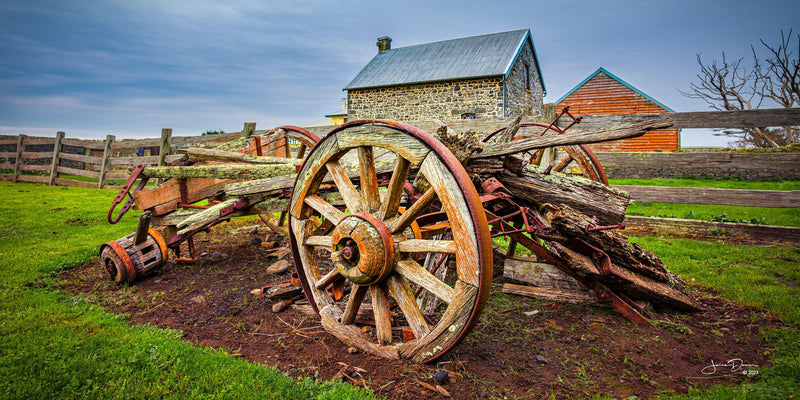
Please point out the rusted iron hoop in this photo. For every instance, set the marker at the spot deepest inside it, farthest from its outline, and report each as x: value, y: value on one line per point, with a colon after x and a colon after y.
x: 329, y: 150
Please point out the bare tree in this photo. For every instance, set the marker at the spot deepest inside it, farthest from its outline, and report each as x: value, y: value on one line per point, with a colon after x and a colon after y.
x: 732, y: 86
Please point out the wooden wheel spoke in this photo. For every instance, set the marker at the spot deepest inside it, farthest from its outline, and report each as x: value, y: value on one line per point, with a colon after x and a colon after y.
x: 319, y: 241
x: 398, y: 286
x: 327, y: 279
x: 346, y: 188
x: 380, y: 309
x: 326, y: 209
x: 354, y: 303
x: 416, y: 273
x: 369, y: 179
x: 395, y: 189
x: 426, y: 246
x: 418, y: 208
x: 301, y: 151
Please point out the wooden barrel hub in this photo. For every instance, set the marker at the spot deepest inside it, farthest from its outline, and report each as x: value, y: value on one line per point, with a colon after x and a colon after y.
x: 362, y: 249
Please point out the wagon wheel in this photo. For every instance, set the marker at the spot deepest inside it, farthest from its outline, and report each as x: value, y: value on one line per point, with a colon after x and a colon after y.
x: 280, y: 142
x: 577, y: 156
x: 372, y: 247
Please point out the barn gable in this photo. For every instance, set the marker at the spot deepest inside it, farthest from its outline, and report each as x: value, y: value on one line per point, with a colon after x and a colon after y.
x: 603, y: 93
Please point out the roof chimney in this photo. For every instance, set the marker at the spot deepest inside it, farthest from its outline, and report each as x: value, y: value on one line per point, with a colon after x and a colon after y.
x: 384, y: 43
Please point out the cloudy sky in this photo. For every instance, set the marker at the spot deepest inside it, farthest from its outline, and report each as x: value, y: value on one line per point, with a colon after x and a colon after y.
x: 130, y: 68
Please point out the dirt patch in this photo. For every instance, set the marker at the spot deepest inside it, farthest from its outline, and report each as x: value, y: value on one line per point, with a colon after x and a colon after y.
x: 521, y: 348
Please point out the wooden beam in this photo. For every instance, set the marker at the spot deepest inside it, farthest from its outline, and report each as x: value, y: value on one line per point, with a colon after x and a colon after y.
x: 702, y: 119
x: 728, y: 197
x: 688, y: 228
x: 18, y: 159
x: 104, y: 163
x: 56, y: 158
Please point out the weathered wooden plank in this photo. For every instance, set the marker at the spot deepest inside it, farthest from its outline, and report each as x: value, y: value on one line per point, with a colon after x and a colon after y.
x: 56, y: 151
x: 147, y: 160
x: 79, y: 172
x: 136, y: 143
x: 34, y: 168
x: 729, y: 197
x: 8, y: 154
x: 560, y: 295
x: 72, y: 182
x: 81, y: 158
x: 574, y: 136
x: 221, y: 171
x: 33, y: 178
x: 32, y: 155
x: 87, y: 144
x: 674, y: 227
x: 704, y: 119
x: 198, y: 154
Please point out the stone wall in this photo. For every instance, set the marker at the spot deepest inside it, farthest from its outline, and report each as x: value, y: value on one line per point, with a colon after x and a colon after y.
x: 438, y: 100
x: 520, y: 95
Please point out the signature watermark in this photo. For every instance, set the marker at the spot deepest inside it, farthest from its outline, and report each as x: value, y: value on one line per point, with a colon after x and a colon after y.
x: 732, y: 366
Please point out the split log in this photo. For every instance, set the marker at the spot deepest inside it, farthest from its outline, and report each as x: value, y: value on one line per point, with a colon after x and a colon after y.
x: 223, y: 171
x: 199, y: 154
x: 588, y: 197
x: 196, y: 189
x: 631, y: 256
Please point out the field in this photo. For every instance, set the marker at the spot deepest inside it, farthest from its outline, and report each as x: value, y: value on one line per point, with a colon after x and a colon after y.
x: 196, y: 331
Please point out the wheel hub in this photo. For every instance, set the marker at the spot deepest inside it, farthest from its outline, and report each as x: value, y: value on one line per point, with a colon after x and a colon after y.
x: 362, y: 249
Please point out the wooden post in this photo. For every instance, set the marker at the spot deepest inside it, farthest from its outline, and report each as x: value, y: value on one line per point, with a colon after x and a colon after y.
x: 18, y: 160
x: 106, y: 156
x: 166, y: 138
x: 548, y: 113
x: 248, y: 129
x: 56, y: 157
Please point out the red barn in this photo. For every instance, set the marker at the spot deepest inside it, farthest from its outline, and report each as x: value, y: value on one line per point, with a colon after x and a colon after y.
x: 603, y: 93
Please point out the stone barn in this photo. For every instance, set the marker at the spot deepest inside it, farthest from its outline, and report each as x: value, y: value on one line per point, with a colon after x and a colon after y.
x: 481, y: 77
x: 603, y: 93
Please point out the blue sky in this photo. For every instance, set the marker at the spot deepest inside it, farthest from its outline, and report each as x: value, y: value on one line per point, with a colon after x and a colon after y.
x: 94, y: 67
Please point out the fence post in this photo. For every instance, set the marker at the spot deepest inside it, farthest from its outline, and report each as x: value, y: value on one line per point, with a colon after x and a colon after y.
x: 166, y: 139
x: 249, y: 128
x: 18, y: 160
x: 56, y: 157
x: 106, y: 156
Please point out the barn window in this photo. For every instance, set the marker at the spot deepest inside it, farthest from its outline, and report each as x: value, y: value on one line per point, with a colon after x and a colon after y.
x: 468, y: 116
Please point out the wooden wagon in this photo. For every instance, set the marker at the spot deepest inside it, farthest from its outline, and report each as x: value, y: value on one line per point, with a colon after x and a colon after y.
x: 391, y: 227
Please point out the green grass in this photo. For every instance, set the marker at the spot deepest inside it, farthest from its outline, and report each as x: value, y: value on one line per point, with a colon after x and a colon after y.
x: 762, y: 277
x: 731, y: 183
x: 739, y: 214
x: 53, y: 345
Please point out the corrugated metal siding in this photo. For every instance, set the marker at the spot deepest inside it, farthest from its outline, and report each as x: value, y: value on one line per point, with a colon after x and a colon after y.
x: 602, y: 95
x: 479, y: 56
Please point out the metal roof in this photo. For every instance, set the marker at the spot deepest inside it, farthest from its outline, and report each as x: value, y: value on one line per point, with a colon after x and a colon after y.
x: 618, y: 79
x: 473, y: 57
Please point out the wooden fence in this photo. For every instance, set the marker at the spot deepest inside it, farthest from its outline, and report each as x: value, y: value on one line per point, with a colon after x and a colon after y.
x: 106, y: 164
x: 94, y: 163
